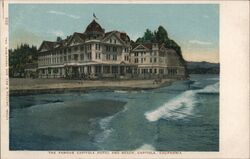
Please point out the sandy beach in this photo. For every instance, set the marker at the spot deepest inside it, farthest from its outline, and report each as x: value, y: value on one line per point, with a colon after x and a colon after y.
x: 22, y: 86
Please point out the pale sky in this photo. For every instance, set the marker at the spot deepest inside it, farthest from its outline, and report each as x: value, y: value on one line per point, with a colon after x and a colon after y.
x: 195, y: 27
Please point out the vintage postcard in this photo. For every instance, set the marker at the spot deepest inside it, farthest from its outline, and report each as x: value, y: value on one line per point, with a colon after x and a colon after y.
x: 127, y: 79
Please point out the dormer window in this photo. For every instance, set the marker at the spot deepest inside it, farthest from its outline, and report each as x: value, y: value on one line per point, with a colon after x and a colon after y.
x: 110, y: 40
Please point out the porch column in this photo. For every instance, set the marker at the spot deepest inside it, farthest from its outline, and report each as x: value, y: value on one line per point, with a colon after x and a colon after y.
x: 101, y: 69
x: 118, y: 69
x: 85, y: 69
x: 93, y: 69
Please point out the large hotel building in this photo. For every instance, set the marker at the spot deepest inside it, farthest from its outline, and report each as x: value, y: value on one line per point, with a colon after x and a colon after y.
x: 98, y: 54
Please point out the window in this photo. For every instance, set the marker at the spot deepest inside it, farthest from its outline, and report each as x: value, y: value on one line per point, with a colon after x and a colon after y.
x: 76, y: 57
x: 110, y: 40
x: 115, y: 57
x: 155, y: 60
x: 126, y: 58
x: 136, y: 60
x: 141, y: 60
x: 69, y: 57
x: 150, y: 70
x: 136, y: 54
x: 114, y: 49
x: 98, y: 55
x: 115, y: 41
x: 108, y: 57
x: 161, y: 71
x: 69, y: 50
x: 150, y: 60
x: 82, y: 56
x: 114, y: 69
x: 125, y: 49
x: 89, y: 47
x: 108, y: 48
x: 89, y: 56
x: 97, y: 47
x: 65, y: 58
x: 106, y: 69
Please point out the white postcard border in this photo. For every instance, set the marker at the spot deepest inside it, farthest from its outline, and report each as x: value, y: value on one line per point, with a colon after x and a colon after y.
x: 234, y: 87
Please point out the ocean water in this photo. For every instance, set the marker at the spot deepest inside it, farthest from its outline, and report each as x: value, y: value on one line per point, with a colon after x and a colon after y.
x: 180, y: 117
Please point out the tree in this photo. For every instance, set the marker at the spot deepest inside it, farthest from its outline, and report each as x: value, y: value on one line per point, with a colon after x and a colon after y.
x: 58, y: 39
x: 148, y: 36
x: 19, y: 57
x: 139, y: 40
x: 161, y: 35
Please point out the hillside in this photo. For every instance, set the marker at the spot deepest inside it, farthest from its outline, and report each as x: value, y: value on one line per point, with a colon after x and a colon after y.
x: 203, y: 67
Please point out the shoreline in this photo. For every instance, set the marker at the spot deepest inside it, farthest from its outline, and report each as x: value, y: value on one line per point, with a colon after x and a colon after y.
x: 21, y: 87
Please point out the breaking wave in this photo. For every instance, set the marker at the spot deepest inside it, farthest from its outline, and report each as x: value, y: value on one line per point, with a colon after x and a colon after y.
x: 180, y: 106
x: 146, y: 147
x: 120, y: 91
x: 213, y: 88
x: 105, y: 126
x: 106, y: 130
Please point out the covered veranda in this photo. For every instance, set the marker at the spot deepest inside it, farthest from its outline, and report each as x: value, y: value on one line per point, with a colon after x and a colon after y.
x: 100, y: 70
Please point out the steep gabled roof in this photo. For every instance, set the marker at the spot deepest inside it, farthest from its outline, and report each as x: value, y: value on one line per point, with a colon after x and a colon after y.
x: 123, y: 37
x: 79, y: 35
x: 48, y: 44
x: 94, y: 27
x: 137, y: 45
x: 147, y: 45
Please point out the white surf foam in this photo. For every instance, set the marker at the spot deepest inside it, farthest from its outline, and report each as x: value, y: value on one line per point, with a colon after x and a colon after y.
x: 146, y: 147
x: 181, y: 106
x: 184, y: 103
x: 120, y: 91
x: 104, y: 125
x: 213, y: 88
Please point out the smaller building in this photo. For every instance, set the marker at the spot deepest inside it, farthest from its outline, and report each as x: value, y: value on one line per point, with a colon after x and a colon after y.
x: 30, y: 70
x: 155, y: 60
